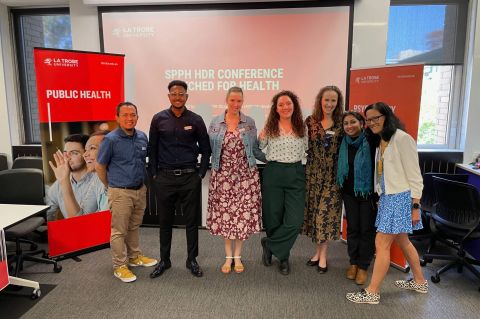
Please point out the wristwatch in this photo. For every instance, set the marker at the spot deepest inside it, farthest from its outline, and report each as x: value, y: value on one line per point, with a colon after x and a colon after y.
x: 416, y: 206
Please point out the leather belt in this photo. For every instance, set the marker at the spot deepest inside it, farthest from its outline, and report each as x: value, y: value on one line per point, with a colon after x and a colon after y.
x: 179, y: 172
x: 129, y: 187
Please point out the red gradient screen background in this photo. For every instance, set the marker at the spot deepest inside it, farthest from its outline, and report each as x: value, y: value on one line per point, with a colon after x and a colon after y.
x: 309, y: 45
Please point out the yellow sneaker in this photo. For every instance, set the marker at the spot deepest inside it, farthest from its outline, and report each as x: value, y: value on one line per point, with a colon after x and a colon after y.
x: 124, y: 274
x: 142, y: 261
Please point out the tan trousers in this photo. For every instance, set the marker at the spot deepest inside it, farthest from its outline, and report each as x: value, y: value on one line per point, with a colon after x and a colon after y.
x: 127, y: 207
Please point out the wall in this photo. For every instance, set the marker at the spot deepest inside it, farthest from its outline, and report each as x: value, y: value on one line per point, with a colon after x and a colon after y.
x: 471, y: 132
x: 369, y: 49
x: 5, y: 139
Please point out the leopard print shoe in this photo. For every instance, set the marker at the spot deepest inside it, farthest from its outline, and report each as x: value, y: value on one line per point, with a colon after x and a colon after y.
x: 410, y: 284
x: 364, y: 296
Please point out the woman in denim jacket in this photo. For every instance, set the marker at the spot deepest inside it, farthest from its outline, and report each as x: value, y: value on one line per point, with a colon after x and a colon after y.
x: 234, y: 199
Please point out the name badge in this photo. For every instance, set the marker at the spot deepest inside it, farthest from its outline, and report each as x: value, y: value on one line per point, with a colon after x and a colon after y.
x: 241, y: 129
x: 330, y: 132
x: 187, y: 128
x: 144, y: 148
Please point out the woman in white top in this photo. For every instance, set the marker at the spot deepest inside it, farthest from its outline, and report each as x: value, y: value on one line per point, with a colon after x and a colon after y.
x: 399, y: 184
x: 284, y: 141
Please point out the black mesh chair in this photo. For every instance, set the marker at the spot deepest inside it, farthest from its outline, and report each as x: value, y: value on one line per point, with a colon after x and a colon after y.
x: 455, y: 221
x: 428, y: 194
x: 24, y: 186
x: 427, y: 201
x: 28, y: 162
x: 3, y: 162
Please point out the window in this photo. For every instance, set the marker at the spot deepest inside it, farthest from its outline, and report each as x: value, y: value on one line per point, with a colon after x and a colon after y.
x: 432, y: 32
x: 37, y: 28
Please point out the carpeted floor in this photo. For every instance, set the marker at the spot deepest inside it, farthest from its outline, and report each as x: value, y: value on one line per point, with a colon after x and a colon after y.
x: 88, y: 289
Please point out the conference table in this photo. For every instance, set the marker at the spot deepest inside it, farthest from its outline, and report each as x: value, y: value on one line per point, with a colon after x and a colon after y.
x: 10, y: 215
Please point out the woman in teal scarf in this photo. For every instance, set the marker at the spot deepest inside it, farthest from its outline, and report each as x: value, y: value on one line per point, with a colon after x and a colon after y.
x: 355, y: 177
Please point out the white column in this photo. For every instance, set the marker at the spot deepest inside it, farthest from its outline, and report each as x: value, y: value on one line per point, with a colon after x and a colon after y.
x: 5, y: 50
x: 472, y: 97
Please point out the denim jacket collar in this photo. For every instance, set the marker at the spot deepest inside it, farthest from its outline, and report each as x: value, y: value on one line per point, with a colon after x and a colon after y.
x: 243, y: 118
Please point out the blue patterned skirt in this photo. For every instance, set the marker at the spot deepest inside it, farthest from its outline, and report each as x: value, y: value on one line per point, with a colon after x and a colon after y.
x: 395, y: 213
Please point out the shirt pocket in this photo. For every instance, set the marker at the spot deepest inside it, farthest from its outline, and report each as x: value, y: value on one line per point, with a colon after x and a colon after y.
x: 188, y: 131
x: 141, y: 150
x: 213, y: 130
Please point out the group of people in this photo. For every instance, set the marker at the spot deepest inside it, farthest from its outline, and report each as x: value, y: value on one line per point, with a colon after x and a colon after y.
x: 368, y: 162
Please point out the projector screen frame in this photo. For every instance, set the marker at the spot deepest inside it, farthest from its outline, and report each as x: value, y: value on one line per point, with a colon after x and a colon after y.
x: 240, y: 6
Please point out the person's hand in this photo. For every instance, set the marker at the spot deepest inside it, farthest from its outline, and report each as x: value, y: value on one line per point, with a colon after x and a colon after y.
x: 415, y: 216
x: 261, y: 136
x: 61, y: 169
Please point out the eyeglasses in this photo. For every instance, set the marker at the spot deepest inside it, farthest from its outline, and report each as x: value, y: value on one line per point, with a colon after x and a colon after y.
x: 374, y: 119
x: 178, y: 94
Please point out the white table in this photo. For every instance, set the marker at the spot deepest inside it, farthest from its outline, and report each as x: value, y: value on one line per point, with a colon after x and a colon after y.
x: 11, y: 214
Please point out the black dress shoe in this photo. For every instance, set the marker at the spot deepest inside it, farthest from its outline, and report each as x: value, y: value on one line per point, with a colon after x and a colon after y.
x: 267, y: 254
x: 312, y: 263
x: 194, y: 268
x: 322, y: 270
x: 160, y: 269
x: 284, y: 267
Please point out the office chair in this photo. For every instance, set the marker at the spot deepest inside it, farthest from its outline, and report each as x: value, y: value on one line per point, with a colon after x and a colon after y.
x: 427, y: 201
x: 428, y: 194
x: 28, y: 162
x: 24, y: 186
x: 3, y: 162
x: 455, y: 221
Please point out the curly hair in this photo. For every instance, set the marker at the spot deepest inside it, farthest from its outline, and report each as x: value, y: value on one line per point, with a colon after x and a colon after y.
x: 298, y: 126
x: 317, y: 113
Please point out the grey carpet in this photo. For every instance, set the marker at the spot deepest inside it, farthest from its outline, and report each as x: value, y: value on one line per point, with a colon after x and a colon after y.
x: 88, y: 289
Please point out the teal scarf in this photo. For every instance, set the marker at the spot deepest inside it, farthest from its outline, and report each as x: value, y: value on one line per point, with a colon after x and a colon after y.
x: 362, y: 184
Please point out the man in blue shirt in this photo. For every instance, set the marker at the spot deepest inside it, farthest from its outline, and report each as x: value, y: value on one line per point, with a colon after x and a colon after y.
x: 177, y: 137
x: 121, y: 167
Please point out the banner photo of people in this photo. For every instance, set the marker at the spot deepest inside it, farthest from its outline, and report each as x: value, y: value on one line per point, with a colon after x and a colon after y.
x: 400, y: 87
x: 77, y: 97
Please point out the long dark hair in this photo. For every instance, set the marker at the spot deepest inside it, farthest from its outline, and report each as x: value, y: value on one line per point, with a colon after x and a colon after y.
x: 271, y: 126
x: 390, y: 125
x: 317, y: 113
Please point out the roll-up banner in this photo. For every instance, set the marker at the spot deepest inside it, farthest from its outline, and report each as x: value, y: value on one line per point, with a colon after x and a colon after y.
x: 399, y: 86
x: 77, y: 94
x: 3, y: 261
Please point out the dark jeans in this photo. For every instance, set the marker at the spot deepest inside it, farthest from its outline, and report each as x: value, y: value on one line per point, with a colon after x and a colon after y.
x: 186, y: 188
x: 361, y: 230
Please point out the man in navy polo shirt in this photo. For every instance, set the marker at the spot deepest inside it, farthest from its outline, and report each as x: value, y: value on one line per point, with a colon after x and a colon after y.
x: 177, y: 137
x: 121, y: 167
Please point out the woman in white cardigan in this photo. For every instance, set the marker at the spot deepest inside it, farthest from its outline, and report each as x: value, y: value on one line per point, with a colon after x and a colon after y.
x: 399, y: 184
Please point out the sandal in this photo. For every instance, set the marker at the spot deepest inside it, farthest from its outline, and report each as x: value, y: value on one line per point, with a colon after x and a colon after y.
x: 226, y: 269
x: 238, y: 268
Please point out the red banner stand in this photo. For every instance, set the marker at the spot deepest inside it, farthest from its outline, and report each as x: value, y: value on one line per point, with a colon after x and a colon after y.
x: 400, y: 86
x: 3, y: 274
x: 75, y: 234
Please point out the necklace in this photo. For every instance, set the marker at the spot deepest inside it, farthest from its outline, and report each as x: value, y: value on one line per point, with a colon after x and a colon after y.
x: 285, y: 129
x: 383, y: 147
x: 232, y: 122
